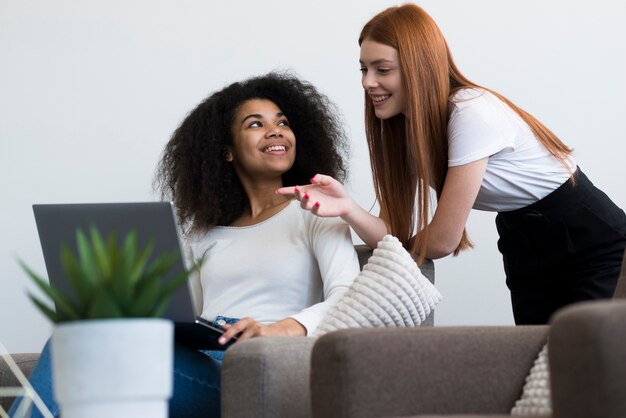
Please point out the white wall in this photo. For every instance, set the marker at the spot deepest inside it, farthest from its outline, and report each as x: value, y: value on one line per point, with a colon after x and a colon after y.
x: 90, y: 92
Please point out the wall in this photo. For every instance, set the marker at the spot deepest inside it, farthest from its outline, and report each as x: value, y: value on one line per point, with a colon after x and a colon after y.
x: 91, y: 91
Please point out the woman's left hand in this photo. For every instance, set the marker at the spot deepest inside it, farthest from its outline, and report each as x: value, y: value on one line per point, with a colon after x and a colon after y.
x: 247, y: 328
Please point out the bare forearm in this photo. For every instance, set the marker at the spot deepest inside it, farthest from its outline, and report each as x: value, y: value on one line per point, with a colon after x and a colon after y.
x: 289, y: 327
x: 453, y: 208
x: 248, y: 328
x: 436, y: 249
x: 371, y: 229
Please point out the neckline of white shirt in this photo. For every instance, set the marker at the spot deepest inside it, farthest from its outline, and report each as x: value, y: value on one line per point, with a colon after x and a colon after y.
x: 277, y: 214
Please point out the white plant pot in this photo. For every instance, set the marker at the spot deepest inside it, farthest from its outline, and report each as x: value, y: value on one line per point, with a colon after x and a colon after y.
x: 118, y: 368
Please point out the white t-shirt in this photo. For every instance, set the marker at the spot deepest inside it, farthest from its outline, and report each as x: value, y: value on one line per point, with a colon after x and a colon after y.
x: 294, y: 264
x: 520, y: 170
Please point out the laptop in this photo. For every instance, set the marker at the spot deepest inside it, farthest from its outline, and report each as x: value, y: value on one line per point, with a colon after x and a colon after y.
x: 57, y: 225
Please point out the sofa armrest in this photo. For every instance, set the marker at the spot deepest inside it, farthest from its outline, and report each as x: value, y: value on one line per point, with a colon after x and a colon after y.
x: 26, y: 362
x: 267, y: 377
x: 587, y: 360
x: 409, y: 371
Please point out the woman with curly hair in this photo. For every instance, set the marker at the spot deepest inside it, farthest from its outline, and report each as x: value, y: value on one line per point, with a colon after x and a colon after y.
x: 198, y: 170
x: 269, y: 268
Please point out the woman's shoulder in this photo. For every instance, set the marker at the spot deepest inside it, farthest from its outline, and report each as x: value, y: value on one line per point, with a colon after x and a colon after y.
x: 194, y: 234
x: 466, y: 93
x: 472, y: 97
x: 195, y: 238
x: 476, y: 103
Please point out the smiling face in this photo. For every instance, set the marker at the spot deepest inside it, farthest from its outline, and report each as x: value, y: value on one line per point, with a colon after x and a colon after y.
x: 264, y: 146
x: 381, y: 78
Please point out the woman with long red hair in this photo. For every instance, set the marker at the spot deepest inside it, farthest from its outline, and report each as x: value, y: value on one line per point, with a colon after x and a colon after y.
x: 428, y: 126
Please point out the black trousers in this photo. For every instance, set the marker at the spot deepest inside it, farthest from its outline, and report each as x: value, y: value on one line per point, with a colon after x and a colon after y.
x: 565, y: 248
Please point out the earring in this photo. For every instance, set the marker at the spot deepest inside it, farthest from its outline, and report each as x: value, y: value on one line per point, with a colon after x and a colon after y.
x: 229, y: 156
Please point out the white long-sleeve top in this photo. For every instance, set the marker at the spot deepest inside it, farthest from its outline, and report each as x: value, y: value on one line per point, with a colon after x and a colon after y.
x: 294, y: 264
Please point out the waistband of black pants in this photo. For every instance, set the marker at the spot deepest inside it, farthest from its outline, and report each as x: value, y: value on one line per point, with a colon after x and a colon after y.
x: 564, y: 198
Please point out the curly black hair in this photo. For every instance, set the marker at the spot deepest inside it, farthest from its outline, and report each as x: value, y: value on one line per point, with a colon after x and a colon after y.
x: 193, y: 171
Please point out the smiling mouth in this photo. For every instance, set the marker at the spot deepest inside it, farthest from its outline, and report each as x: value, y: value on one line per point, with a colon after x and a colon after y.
x: 380, y: 99
x: 275, y: 148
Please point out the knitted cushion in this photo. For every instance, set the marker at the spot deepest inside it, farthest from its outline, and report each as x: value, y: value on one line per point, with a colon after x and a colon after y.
x: 535, y: 398
x: 390, y: 291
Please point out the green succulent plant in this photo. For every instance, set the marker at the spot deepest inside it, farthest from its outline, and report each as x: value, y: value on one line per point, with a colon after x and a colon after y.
x: 109, y: 280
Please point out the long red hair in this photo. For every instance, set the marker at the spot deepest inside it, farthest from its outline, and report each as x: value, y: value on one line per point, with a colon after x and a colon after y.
x: 409, y: 154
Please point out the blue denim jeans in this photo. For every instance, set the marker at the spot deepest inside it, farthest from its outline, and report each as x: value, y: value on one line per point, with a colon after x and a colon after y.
x: 196, y: 383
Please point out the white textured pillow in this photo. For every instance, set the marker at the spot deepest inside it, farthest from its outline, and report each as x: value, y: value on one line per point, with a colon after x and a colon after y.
x: 535, y: 398
x: 390, y: 291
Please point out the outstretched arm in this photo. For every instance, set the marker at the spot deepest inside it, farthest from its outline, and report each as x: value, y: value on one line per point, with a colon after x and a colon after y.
x: 326, y: 197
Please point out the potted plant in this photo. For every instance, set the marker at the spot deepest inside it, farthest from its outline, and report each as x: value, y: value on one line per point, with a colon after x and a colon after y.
x: 112, y: 354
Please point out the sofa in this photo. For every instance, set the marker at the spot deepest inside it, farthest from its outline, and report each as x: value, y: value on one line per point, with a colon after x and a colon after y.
x: 256, y: 374
x: 433, y: 371
x: 430, y: 372
x: 269, y: 377
x: 474, y: 371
